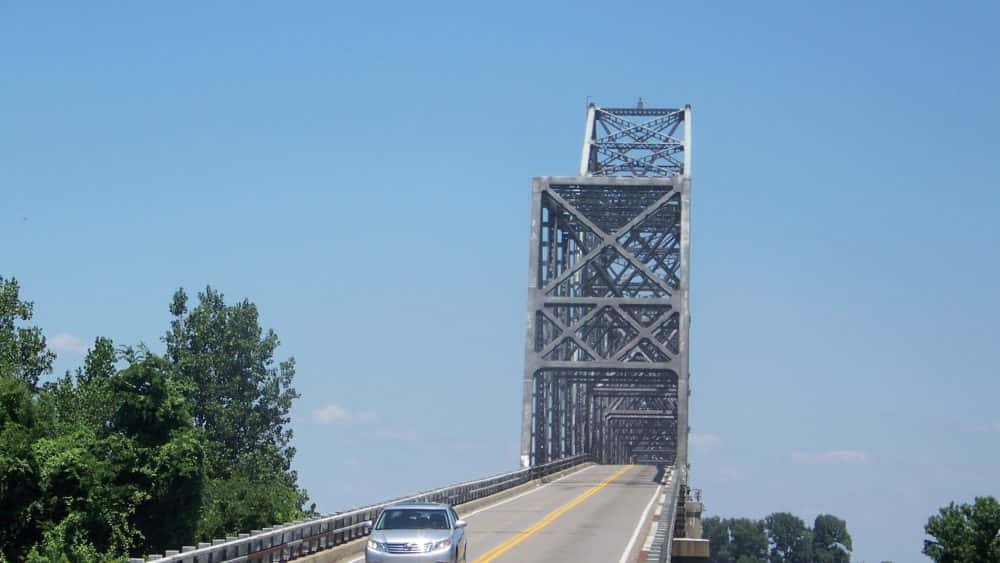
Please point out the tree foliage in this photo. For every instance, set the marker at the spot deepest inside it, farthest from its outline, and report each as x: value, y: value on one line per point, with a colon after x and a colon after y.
x: 19, y: 490
x: 241, y: 398
x: 115, y: 460
x: 23, y: 353
x: 790, y: 539
x: 129, y: 483
x: 736, y: 540
x: 831, y: 541
x: 966, y: 532
x: 780, y: 537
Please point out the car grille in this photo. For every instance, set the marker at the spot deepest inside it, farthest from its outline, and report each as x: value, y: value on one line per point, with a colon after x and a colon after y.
x: 408, y: 547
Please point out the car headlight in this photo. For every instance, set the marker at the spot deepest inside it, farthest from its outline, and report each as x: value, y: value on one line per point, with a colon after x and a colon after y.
x: 443, y: 544
x: 375, y: 545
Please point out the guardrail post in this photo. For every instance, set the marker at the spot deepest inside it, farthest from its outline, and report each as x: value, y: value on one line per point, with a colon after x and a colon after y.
x: 321, y: 532
x: 314, y: 530
x: 255, y: 543
x: 267, y: 541
x: 218, y: 554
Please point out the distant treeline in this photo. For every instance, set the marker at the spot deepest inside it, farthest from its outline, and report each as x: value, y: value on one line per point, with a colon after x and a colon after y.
x: 135, y: 453
x: 965, y: 533
x: 778, y: 538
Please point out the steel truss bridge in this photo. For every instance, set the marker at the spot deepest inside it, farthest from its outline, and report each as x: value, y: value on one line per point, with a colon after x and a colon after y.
x: 605, y: 377
x: 606, y: 359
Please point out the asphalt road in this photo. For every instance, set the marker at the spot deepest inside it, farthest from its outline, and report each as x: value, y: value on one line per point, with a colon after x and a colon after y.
x: 589, y: 516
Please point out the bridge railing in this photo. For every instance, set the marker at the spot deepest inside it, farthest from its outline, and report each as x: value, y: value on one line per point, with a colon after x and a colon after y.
x: 660, y: 544
x: 671, y: 509
x: 298, y: 539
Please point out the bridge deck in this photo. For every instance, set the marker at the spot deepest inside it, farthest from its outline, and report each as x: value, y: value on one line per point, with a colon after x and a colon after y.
x: 588, y: 516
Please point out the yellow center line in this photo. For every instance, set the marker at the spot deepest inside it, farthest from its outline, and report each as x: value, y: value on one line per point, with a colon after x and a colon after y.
x: 548, y: 519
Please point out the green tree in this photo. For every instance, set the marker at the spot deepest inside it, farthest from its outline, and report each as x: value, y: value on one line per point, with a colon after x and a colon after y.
x: 23, y: 353
x: 242, y: 502
x: 790, y: 539
x: 166, y: 459
x: 67, y: 542
x: 749, y: 540
x: 831, y: 541
x: 20, y: 493
x: 104, y: 462
x: 241, y: 398
x: 965, y: 532
x: 99, y: 365
x: 129, y: 481
x: 79, y: 490
x: 716, y: 531
x: 735, y: 540
x: 72, y: 401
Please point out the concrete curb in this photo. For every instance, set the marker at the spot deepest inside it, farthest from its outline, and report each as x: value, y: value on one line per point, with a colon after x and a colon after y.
x: 344, y: 553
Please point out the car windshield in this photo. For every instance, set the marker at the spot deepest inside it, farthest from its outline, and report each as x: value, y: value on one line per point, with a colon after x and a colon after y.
x: 412, y: 519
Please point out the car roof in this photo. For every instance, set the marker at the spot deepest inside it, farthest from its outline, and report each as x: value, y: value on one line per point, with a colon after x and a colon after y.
x: 418, y: 505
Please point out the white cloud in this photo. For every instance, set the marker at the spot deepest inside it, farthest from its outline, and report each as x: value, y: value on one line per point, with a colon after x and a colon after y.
x: 706, y: 441
x: 65, y: 343
x: 334, y: 414
x: 330, y: 414
x: 833, y: 456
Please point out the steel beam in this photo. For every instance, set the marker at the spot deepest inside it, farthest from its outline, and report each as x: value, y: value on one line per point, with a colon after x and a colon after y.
x: 606, y: 351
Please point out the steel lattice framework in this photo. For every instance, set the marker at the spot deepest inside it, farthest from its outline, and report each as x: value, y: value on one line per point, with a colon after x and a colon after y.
x: 606, y: 357
x: 640, y: 142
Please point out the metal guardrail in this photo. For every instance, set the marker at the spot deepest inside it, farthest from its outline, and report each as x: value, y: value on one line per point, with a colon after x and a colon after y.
x: 671, y: 506
x: 304, y: 537
x: 659, y: 541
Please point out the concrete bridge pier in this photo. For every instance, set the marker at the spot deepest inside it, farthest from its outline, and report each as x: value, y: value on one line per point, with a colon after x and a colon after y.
x: 688, y: 545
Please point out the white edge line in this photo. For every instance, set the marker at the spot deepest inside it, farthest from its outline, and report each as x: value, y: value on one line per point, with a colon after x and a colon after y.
x: 638, y: 526
x: 511, y: 499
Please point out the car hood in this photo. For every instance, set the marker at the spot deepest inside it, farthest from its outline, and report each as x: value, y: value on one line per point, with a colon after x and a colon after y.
x: 410, y: 536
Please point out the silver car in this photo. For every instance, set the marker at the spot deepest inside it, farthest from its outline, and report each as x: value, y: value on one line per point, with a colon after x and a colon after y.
x: 426, y: 532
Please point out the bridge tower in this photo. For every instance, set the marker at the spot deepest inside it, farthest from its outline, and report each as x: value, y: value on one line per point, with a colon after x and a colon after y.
x: 606, y: 355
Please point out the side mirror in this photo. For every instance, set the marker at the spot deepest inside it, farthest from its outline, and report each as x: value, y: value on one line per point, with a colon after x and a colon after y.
x: 367, y: 524
x: 460, y: 523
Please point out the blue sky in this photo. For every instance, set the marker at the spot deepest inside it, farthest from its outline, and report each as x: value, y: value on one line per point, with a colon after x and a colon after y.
x: 362, y: 172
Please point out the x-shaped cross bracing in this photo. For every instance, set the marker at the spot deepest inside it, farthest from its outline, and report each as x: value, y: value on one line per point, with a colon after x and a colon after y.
x: 617, y: 128
x: 611, y: 240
